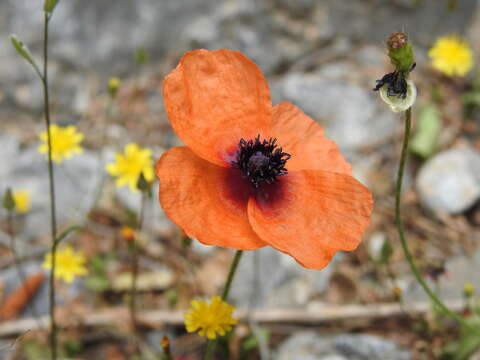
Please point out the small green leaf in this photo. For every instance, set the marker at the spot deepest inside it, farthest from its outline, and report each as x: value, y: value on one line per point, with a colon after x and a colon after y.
x: 142, y: 184
x: 253, y: 341
x: 8, y: 200
x: 21, y: 48
x: 67, y: 232
x: 72, y: 347
x: 186, y: 242
x: 99, y: 264
x: 452, y: 5
x: 386, y: 252
x: 141, y: 56
x: 49, y: 5
x: 426, y: 137
x: 471, y: 98
x: 25, y: 53
x: 97, y: 283
x: 462, y: 349
x: 172, y: 297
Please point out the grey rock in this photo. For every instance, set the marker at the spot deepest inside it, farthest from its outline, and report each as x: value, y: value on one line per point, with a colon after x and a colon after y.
x: 245, y: 26
x: 368, y: 347
x: 450, y: 181
x: 298, y: 7
x: 424, y: 21
x: 255, y: 279
x: 269, y: 278
x: 348, y: 110
x: 276, y: 35
x: 10, y: 148
x: 99, y: 35
x: 313, y: 346
x: 76, y: 182
x: 39, y: 303
x: 94, y: 33
x: 461, y: 269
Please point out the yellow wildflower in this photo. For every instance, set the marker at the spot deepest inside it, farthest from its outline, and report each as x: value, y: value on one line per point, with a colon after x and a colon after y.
x: 397, y: 292
x: 22, y: 201
x: 68, y: 264
x: 65, y: 142
x: 113, y: 86
x: 451, y: 56
x: 468, y: 289
x: 210, y: 319
x: 129, y: 166
x: 127, y: 233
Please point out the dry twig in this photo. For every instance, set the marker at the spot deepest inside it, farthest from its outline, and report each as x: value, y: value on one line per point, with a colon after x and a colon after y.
x: 158, y: 318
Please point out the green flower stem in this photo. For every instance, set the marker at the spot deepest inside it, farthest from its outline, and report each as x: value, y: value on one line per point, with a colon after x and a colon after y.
x: 212, y: 344
x: 133, y: 286
x: 401, y: 231
x: 231, y: 274
x: 53, y: 217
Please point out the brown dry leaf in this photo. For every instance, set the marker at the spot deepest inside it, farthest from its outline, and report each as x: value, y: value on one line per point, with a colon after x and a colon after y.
x: 154, y: 280
x: 19, y: 298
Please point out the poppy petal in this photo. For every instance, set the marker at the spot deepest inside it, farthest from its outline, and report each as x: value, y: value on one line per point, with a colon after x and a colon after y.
x: 303, y: 138
x: 311, y: 214
x: 215, y: 98
x: 197, y: 196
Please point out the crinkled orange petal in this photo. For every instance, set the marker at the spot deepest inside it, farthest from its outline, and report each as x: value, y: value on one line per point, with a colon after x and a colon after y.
x: 215, y: 98
x: 311, y: 214
x: 302, y: 137
x: 205, y: 201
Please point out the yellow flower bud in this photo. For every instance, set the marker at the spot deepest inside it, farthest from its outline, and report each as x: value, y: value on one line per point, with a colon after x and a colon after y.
x: 468, y: 289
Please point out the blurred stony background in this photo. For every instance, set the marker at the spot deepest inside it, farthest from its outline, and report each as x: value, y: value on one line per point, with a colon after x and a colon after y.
x: 322, y: 55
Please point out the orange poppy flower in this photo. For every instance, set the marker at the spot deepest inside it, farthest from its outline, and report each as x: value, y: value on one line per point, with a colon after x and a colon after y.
x: 251, y: 174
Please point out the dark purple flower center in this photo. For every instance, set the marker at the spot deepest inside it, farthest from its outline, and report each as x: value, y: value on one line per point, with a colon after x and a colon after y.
x: 261, y: 161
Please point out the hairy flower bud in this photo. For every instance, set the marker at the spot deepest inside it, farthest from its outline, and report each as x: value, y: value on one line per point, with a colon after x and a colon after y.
x: 400, y: 52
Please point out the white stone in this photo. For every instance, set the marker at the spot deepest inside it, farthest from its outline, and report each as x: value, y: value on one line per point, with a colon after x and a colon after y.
x: 450, y: 181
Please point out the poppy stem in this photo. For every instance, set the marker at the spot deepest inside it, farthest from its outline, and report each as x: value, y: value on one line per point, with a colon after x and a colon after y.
x: 212, y: 344
x: 231, y: 274
x: 401, y: 231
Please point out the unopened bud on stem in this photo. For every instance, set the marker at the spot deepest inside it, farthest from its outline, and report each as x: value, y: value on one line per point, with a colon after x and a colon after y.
x: 8, y: 200
x: 400, y: 52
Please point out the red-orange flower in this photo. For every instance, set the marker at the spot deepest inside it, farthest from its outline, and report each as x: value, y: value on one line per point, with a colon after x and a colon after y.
x: 251, y: 174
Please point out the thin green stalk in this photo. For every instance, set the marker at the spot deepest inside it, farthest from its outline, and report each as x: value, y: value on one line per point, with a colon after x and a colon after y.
x: 133, y: 287
x: 53, y: 217
x: 401, y: 230
x: 212, y: 344
x: 108, y: 117
x: 231, y: 274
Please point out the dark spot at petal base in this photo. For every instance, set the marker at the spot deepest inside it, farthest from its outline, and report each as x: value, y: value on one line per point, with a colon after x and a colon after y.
x: 261, y: 161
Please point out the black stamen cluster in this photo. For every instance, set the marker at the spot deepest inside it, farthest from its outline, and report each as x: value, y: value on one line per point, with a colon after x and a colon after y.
x: 396, y: 83
x: 261, y: 161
